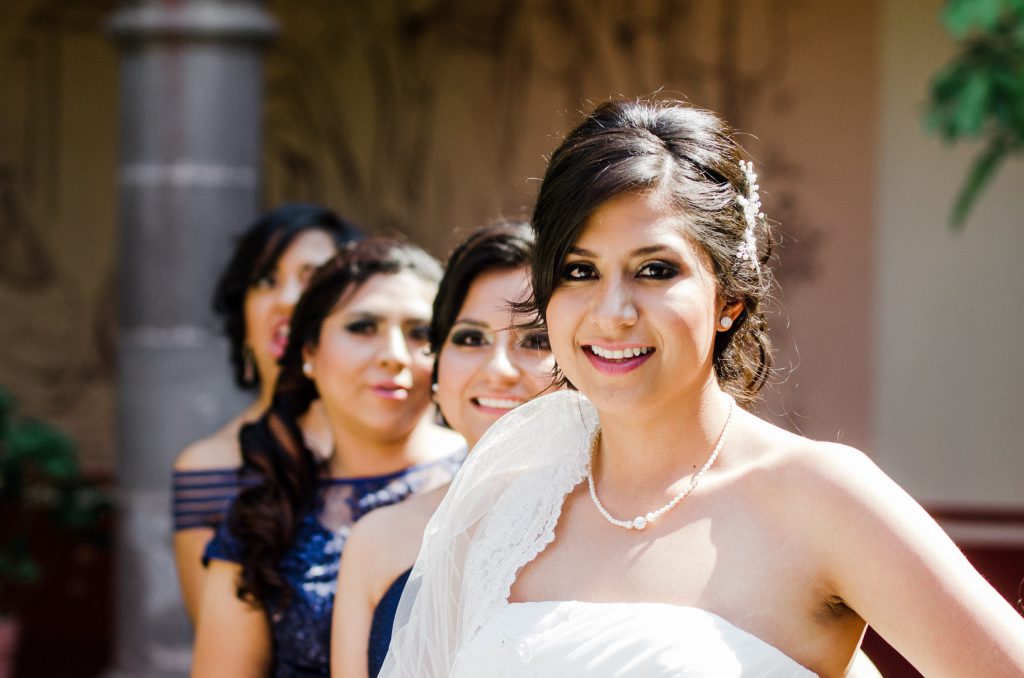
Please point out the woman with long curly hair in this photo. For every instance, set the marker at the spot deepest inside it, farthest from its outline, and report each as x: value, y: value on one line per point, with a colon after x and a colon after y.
x: 357, y: 346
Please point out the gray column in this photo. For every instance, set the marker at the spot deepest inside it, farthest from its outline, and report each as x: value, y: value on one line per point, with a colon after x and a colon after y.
x: 191, y: 98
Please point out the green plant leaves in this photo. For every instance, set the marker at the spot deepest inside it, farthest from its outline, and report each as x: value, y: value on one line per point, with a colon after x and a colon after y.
x: 984, y: 167
x: 39, y: 475
x: 960, y: 17
x: 980, y: 93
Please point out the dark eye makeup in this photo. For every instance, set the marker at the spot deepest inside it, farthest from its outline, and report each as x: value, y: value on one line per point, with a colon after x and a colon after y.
x: 578, y: 270
x: 469, y: 336
x: 658, y: 270
x: 420, y: 333
x: 364, y: 327
x: 537, y: 341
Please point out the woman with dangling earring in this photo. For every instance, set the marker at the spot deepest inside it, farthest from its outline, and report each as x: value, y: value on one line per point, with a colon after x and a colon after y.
x: 484, y: 367
x: 647, y: 523
x: 357, y: 346
x: 254, y: 298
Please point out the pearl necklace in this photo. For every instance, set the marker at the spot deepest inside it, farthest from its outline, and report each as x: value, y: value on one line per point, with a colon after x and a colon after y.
x: 640, y: 522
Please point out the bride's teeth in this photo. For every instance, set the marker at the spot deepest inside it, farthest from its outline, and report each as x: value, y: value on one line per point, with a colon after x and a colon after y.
x: 620, y: 354
x: 499, y: 404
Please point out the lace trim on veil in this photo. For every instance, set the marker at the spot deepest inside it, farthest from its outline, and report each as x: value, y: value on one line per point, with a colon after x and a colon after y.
x: 498, y: 515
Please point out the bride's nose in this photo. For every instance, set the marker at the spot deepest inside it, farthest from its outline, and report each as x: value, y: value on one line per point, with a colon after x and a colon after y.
x: 614, y: 306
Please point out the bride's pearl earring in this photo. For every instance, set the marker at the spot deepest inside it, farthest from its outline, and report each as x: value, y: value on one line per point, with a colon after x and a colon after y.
x: 307, y: 369
x: 725, y: 322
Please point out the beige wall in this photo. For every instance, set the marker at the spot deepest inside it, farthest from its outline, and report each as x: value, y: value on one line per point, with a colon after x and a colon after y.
x: 949, y: 373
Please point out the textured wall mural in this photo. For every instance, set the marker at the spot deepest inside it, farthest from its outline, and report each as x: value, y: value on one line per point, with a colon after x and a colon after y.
x: 56, y: 252
x: 429, y: 117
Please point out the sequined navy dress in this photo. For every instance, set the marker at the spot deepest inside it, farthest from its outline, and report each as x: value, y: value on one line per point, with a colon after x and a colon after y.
x: 301, y: 631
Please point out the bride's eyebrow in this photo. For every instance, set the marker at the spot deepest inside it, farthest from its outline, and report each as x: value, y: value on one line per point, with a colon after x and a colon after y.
x: 649, y: 250
x: 580, y: 252
x: 470, y: 321
x: 639, y: 252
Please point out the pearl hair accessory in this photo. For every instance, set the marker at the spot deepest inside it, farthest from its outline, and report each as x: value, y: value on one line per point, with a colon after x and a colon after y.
x: 640, y: 522
x: 725, y: 322
x: 751, y: 204
x: 307, y: 369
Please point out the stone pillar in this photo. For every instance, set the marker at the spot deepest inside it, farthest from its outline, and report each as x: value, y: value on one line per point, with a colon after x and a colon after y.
x: 190, y: 134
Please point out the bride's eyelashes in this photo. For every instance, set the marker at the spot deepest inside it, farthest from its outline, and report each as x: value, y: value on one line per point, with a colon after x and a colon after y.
x: 658, y: 270
x: 650, y: 270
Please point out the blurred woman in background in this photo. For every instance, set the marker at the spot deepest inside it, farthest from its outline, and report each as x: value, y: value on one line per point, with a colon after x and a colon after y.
x: 255, y: 295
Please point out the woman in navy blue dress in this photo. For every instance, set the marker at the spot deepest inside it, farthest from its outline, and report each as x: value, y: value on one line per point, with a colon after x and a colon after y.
x: 357, y: 346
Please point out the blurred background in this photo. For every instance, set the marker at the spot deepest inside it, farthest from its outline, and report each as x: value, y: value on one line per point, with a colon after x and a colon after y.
x: 137, y: 138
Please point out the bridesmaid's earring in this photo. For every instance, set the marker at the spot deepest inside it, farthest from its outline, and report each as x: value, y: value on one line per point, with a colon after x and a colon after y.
x: 248, y: 367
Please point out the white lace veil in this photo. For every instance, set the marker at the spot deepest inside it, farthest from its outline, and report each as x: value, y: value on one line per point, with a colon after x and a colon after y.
x: 499, y: 513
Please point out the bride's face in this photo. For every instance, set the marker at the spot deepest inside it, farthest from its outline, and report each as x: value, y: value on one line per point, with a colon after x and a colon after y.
x: 632, y: 321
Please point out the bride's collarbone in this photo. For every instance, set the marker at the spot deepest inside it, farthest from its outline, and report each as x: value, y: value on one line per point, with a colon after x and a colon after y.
x: 698, y: 556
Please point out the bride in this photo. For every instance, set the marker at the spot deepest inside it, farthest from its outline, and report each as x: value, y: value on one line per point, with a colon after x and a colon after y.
x: 646, y: 524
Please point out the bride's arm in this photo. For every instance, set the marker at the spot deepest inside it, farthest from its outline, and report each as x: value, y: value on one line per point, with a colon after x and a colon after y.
x: 895, y: 566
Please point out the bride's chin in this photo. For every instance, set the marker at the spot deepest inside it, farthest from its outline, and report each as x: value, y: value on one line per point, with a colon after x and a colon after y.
x: 613, y: 401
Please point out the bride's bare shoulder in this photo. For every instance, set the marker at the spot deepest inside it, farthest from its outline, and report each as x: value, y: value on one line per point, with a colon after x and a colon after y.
x: 798, y: 467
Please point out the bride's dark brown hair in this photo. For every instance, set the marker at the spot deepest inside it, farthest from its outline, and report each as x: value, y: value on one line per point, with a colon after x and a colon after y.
x: 263, y: 518
x: 689, y: 156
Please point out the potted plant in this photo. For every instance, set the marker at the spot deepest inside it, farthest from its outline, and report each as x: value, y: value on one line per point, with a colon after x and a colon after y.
x: 40, y: 479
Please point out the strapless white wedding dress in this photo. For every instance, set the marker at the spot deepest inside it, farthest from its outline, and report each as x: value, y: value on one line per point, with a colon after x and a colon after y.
x: 570, y: 639
x: 454, y: 618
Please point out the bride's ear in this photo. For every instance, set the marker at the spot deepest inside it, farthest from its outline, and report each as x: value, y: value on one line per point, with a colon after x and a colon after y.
x: 728, y: 314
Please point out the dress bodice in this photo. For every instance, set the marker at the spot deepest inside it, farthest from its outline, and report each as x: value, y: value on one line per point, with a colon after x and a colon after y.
x: 556, y: 639
x: 301, y: 630
x: 455, y: 620
x: 383, y: 622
